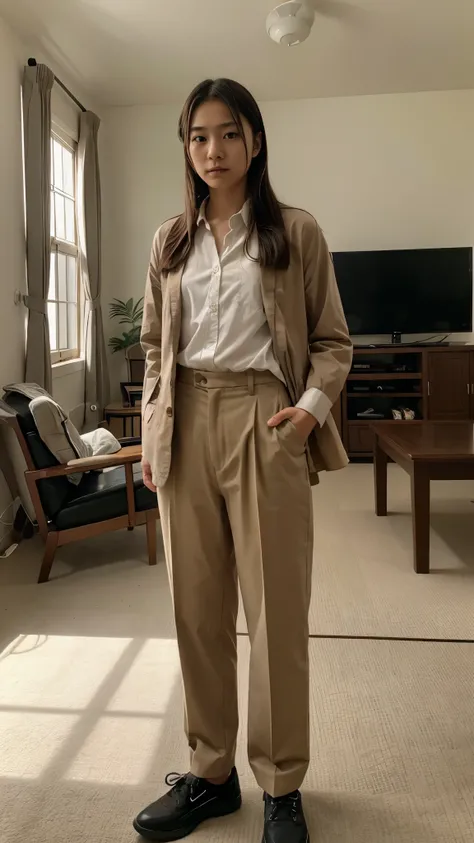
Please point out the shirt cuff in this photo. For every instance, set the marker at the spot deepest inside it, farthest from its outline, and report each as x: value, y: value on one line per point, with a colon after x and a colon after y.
x: 316, y: 403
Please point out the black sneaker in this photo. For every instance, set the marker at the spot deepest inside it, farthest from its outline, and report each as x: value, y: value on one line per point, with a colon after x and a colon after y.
x: 189, y: 802
x: 284, y: 819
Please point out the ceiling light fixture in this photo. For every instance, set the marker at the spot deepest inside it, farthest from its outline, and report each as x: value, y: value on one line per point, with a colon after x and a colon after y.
x: 290, y: 23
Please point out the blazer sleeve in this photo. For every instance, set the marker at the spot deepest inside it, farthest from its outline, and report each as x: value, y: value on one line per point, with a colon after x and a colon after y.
x: 150, y: 337
x: 330, y: 346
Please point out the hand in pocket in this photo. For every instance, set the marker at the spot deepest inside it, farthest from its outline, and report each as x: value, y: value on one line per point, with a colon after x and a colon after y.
x: 303, y: 421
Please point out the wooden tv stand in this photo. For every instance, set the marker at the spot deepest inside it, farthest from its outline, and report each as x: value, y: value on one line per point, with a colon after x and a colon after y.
x: 437, y: 382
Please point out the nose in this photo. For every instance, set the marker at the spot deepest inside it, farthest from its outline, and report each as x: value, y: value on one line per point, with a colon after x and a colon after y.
x: 214, y: 150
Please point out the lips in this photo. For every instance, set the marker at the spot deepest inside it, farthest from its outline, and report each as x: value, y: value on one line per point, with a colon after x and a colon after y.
x: 217, y: 170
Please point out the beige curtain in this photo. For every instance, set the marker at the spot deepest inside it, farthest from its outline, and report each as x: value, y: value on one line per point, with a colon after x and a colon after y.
x: 96, y: 390
x: 37, y: 84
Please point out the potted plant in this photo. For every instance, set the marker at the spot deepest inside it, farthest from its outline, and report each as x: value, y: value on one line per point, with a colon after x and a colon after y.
x: 128, y: 313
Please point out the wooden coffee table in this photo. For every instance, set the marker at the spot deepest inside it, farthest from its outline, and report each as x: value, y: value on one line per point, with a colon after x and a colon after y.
x: 427, y: 451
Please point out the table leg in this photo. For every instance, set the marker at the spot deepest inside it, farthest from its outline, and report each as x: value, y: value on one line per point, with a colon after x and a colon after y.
x: 420, y: 501
x: 380, y: 478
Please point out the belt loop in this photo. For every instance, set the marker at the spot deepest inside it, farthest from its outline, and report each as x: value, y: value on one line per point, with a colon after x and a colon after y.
x: 251, y: 382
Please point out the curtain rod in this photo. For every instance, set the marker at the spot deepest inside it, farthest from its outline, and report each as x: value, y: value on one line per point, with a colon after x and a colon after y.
x: 33, y: 63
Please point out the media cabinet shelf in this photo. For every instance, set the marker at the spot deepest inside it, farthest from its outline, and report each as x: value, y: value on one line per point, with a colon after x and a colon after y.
x: 384, y: 421
x: 385, y: 395
x: 444, y: 390
x: 385, y: 376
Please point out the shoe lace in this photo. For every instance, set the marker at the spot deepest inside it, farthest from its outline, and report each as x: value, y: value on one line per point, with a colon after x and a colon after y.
x: 284, y: 808
x: 175, y: 779
x: 178, y: 781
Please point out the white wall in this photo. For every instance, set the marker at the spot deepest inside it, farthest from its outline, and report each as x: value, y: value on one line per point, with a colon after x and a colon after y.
x: 379, y: 172
x: 392, y: 171
x: 142, y: 178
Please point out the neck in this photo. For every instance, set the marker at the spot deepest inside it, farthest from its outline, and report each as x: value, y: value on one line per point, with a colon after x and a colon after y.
x: 222, y: 205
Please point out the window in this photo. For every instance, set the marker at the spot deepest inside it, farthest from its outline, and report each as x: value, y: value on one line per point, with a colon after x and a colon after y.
x: 64, y: 293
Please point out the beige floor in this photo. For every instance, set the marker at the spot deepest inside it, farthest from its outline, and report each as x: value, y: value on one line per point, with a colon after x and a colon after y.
x: 363, y: 582
x: 90, y: 698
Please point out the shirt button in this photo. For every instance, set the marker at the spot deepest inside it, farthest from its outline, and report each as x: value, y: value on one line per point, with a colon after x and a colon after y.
x: 169, y: 411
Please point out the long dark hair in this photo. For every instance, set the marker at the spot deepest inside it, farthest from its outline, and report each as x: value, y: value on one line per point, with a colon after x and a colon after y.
x: 265, y: 210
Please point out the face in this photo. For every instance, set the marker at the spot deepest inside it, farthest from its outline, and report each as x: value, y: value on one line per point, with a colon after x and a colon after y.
x: 216, y: 148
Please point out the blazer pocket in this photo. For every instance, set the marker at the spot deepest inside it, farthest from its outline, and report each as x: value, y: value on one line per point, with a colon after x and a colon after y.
x: 150, y: 393
x: 149, y: 411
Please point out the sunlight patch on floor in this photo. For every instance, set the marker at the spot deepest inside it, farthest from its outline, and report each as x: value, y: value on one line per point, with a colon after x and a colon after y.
x: 80, y: 707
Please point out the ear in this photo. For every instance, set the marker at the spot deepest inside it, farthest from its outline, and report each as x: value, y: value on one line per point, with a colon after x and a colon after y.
x: 257, y: 144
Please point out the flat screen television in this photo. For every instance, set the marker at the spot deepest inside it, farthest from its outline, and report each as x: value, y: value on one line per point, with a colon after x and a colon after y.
x: 408, y: 291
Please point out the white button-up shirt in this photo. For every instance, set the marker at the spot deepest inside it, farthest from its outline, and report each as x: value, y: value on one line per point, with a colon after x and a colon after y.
x: 223, y: 324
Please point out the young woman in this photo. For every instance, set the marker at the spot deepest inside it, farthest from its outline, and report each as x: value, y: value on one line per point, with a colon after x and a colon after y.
x: 247, y: 350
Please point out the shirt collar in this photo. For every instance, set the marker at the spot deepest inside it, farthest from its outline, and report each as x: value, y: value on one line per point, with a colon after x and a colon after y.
x: 244, y: 214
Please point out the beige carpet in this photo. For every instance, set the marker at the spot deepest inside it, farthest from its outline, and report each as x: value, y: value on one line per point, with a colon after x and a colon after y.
x: 90, y: 726
x: 90, y: 697
x: 363, y: 582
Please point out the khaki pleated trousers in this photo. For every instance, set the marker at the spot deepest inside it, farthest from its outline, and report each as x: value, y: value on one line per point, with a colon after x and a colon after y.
x: 237, y: 504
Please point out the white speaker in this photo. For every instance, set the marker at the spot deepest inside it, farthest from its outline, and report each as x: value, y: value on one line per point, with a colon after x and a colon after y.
x: 290, y: 23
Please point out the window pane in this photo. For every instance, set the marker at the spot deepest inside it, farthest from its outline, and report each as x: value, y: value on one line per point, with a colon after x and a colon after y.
x: 52, y: 161
x: 62, y: 282
x: 52, y: 277
x: 52, y: 227
x: 62, y: 323
x: 58, y: 165
x: 70, y: 226
x: 53, y: 324
x: 72, y: 325
x: 60, y: 220
x: 68, y: 171
x: 71, y: 278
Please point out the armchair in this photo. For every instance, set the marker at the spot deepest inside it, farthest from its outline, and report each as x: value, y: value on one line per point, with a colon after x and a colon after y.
x: 102, y: 502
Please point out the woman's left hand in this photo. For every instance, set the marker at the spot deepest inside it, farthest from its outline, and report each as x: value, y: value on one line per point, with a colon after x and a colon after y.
x: 302, y: 420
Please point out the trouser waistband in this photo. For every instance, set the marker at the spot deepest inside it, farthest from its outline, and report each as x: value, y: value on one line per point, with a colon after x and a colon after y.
x: 224, y: 380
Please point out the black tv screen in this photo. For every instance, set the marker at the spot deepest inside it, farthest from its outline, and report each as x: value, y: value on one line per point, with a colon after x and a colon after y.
x: 412, y: 291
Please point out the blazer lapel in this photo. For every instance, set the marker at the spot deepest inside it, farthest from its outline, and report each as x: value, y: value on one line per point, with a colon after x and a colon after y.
x: 270, y: 279
x: 268, y: 287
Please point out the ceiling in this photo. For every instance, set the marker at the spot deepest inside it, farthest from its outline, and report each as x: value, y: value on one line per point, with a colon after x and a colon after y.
x: 127, y: 52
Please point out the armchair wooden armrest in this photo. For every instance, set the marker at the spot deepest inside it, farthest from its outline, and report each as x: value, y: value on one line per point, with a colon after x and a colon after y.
x: 126, y: 456
x: 129, y: 454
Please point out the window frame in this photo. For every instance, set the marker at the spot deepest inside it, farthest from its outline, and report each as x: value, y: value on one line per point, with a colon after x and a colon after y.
x: 65, y: 247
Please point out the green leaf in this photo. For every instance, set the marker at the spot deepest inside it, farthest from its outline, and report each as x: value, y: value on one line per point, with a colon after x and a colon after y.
x: 128, y: 313
x: 138, y: 309
x: 116, y: 344
x: 118, y: 308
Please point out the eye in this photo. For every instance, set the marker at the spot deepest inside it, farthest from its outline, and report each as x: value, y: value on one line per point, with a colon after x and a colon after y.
x: 231, y: 135
x: 198, y: 139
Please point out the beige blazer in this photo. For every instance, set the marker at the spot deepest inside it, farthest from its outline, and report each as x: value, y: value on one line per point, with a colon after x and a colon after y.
x: 308, y: 328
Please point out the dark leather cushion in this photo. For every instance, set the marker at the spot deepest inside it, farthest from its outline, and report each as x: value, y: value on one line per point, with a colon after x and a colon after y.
x: 102, y: 496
